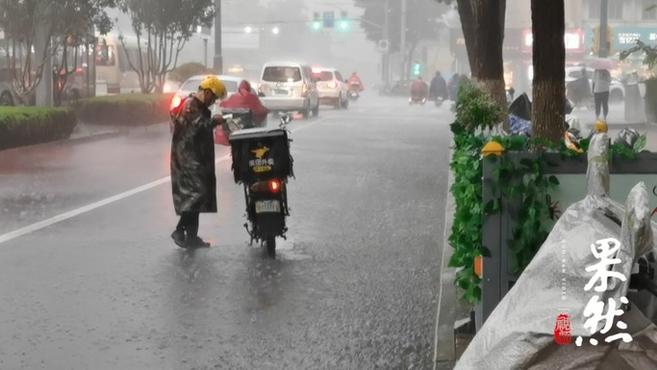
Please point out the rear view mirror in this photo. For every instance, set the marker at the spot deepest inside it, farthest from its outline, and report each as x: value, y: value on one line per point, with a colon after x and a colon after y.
x: 286, y: 118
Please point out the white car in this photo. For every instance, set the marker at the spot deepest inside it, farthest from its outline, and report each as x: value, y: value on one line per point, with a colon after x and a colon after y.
x: 616, y: 89
x: 331, y: 87
x: 191, y: 86
x: 289, y: 86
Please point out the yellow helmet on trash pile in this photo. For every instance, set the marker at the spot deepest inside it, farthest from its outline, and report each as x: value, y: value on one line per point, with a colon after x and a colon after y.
x: 601, y: 126
x: 215, y: 85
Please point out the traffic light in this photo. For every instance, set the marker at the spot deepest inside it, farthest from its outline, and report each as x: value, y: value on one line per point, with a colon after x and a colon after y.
x: 417, y: 69
x: 344, y: 25
x: 316, y: 24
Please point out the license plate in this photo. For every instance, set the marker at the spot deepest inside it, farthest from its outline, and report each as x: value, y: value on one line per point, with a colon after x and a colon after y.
x: 268, y: 206
x: 281, y: 92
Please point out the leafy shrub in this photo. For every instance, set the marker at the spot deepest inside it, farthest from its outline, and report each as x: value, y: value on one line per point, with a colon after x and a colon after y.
x: 32, y: 125
x: 126, y: 109
x: 475, y: 109
x: 187, y: 70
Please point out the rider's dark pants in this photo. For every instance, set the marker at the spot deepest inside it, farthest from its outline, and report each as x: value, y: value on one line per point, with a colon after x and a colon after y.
x: 601, y: 99
x: 189, y: 223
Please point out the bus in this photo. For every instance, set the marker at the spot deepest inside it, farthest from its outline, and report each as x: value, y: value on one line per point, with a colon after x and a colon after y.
x: 112, y: 66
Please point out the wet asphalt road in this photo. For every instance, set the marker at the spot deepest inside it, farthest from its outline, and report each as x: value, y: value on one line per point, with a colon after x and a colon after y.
x: 353, y: 287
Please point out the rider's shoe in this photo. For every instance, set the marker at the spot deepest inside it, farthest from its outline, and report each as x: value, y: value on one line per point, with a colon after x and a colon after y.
x: 196, y: 242
x: 178, y: 237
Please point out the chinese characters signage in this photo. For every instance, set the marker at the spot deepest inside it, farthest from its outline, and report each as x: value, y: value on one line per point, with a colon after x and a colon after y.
x: 598, y: 312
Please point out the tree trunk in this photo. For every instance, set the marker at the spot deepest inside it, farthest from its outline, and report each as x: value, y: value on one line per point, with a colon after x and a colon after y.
x: 482, y: 22
x: 549, y: 59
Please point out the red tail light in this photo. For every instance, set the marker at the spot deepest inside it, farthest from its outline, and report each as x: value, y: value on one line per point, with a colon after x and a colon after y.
x: 269, y: 186
x: 274, y: 186
x: 175, y: 102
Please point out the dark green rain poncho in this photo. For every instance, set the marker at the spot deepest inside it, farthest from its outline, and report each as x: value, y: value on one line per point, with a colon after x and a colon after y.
x: 193, y: 180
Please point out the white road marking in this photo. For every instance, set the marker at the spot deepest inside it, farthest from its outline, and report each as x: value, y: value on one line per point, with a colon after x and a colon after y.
x: 115, y: 198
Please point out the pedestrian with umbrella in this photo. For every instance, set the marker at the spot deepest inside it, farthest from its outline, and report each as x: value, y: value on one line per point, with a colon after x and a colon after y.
x: 601, y: 85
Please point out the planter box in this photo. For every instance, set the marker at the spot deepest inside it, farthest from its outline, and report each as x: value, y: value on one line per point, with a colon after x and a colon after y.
x: 571, y: 172
x: 651, y: 100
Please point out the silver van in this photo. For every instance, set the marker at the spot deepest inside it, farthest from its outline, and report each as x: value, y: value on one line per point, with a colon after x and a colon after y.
x: 289, y: 87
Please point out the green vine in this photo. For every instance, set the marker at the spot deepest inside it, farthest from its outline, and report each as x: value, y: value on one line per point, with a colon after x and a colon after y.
x: 465, y: 237
x: 523, y: 183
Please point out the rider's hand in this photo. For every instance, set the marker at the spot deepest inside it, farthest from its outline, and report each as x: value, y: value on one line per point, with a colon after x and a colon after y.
x: 217, y: 120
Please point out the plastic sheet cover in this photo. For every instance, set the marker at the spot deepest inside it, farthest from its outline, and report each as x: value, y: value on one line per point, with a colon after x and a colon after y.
x: 520, y: 332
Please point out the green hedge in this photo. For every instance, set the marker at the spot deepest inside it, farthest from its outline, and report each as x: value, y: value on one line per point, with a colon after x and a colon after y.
x: 124, y: 110
x: 32, y: 125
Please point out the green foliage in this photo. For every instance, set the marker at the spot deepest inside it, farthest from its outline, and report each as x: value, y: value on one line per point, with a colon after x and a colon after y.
x: 187, y: 70
x: 465, y: 235
x: 525, y: 184
x: 475, y: 109
x: 67, y: 24
x: 650, y: 53
x: 521, y: 184
x: 162, y: 27
x: 126, y: 109
x: 31, y: 125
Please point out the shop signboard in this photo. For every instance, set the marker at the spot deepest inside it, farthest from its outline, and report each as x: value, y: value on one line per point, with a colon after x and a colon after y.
x: 624, y: 37
x: 573, y: 40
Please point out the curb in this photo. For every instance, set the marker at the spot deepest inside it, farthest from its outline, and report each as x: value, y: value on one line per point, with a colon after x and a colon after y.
x: 444, y: 342
x: 90, y: 137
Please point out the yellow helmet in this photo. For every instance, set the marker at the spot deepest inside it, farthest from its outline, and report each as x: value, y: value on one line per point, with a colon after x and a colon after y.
x: 601, y: 126
x: 213, y: 84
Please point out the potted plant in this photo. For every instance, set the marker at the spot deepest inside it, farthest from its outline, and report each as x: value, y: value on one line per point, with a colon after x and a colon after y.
x: 650, y: 59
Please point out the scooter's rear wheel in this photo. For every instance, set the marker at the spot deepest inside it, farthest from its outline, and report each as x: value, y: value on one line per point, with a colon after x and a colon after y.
x: 270, y: 246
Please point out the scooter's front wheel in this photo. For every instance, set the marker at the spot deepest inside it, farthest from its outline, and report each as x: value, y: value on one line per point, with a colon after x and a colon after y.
x: 270, y: 246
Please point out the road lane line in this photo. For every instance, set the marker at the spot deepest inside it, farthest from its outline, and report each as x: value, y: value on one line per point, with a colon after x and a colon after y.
x: 88, y: 208
x: 115, y: 198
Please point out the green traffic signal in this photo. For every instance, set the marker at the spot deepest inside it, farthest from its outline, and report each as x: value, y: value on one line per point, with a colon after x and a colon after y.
x: 417, y: 69
x: 344, y: 25
x: 316, y: 25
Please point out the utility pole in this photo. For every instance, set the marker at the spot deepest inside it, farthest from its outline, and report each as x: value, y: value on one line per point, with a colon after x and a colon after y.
x: 603, y: 51
x: 402, y: 45
x: 218, y: 57
x: 386, y: 36
x: 205, y: 52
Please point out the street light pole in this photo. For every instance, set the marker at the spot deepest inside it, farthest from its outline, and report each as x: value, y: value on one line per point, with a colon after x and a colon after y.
x: 385, y: 64
x: 402, y: 45
x: 218, y: 57
x: 603, y: 50
x: 205, y: 52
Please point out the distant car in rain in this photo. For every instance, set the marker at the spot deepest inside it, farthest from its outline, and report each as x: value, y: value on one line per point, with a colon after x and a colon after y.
x: 331, y: 87
x: 289, y: 86
x: 616, y: 90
